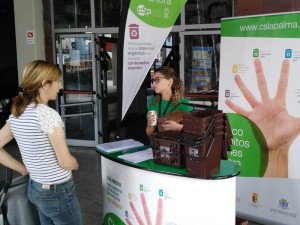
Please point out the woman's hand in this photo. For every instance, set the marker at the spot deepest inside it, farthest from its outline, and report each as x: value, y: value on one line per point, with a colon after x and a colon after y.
x: 171, y: 125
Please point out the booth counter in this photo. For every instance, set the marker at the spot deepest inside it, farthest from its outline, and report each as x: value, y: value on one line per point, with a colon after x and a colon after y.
x: 137, y: 193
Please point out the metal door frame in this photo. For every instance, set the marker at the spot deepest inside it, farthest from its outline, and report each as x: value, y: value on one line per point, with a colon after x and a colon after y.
x: 96, y: 93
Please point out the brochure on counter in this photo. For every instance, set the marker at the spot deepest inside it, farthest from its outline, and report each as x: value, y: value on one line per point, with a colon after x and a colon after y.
x: 118, y: 145
x: 138, y: 156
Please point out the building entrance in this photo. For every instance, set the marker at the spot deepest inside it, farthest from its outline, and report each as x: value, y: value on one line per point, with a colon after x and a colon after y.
x: 80, y: 103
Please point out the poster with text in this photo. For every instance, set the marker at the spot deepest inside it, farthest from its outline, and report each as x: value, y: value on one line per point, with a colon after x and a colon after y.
x: 201, y: 68
x: 260, y: 92
x: 147, y: 27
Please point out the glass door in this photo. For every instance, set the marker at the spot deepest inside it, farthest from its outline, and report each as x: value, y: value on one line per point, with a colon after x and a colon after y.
x: 80, y: 102
x: 200, y: 64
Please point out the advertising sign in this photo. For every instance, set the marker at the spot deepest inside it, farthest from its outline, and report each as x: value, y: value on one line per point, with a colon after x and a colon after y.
x: 30, y: 37
x: 133, y: 196
x: 260, y: 92
x: 147, y: 26
x: 201, y: 69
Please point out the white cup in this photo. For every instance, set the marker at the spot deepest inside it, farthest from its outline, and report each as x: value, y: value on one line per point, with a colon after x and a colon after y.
x: 153, y: 112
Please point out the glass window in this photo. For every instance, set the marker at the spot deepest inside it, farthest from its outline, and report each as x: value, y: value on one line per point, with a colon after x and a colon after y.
x: 167, y: 56
x: 108, y: 13
x: 77, y: 63
x: 207, y: 11
x: 201, y: 63
x: 72, y: 14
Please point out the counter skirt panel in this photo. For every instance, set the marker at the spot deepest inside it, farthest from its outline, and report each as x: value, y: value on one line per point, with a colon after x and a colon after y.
x: 135, y: 194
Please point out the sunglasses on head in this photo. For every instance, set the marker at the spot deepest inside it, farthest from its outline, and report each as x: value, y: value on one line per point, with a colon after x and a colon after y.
x: 156, y: 79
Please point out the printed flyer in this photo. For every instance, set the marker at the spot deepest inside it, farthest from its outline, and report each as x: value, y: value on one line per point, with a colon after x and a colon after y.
x: 260, y: 92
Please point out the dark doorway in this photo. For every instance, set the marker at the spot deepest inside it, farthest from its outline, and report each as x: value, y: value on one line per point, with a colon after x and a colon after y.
x: 8, y: 65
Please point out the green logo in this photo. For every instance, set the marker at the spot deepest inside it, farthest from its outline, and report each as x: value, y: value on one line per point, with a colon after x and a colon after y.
x: 255, y: 53
x: 112, y: 219
x: 157, y: 13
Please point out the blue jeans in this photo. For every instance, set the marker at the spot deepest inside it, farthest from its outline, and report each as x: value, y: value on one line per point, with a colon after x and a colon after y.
x: 57, y: 204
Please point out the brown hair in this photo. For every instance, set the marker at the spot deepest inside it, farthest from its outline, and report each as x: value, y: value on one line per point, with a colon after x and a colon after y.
x: 177, y: 86
x: 35, y: 75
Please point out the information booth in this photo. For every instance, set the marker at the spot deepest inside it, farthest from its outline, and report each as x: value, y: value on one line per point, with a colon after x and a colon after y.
x: 136, y: 192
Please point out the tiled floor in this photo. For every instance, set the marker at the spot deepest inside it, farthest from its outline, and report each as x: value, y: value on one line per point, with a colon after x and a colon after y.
x: 88, y: 184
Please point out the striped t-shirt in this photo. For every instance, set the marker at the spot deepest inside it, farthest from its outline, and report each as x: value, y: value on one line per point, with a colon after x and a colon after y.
x: 31, y: 131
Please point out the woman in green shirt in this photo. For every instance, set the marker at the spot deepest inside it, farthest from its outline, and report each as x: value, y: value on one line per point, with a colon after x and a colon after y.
x: 169, y: 96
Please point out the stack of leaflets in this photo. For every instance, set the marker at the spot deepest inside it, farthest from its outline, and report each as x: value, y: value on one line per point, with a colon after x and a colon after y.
x: 138, y: 156
x: 118, y: 145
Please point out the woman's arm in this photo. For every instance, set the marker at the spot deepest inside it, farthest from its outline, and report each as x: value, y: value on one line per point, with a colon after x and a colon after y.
x: 64, y: 157
x: 5, y: 158
x: 150, y: 130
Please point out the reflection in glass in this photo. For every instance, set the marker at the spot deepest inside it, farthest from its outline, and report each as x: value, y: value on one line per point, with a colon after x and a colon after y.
x: 77, y: 64
x: 108, y: 13
x: 202, y: 63
x: 72, y: 14
x: 78, y: 109
x: 169, y: 53
x: 167, y: 56
x: 80, y: 127
x: 207, y: 11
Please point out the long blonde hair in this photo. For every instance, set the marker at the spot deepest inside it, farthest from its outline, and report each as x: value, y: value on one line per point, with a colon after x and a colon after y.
x: 177, y: 86
x: 35, y: 75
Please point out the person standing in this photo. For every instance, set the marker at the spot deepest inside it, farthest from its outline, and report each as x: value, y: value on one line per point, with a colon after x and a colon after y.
x: 169, y: 95
x: 104, y: 57
x: 38, y: 131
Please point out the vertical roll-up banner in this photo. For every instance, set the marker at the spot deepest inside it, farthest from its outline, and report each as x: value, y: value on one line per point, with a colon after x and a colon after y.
x: 148, y: 24
x: 260, y: 92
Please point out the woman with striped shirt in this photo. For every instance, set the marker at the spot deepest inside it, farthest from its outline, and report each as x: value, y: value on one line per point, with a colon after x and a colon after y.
x: 38, y: 131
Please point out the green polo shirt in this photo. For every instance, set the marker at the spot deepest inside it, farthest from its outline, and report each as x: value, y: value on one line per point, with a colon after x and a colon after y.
x: 172, y: 107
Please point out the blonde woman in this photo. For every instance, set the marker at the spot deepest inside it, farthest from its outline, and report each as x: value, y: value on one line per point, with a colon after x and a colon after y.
x: 38, y: 131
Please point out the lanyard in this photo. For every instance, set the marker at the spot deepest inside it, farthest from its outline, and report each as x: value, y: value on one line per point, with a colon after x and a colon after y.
x: 166, y: 109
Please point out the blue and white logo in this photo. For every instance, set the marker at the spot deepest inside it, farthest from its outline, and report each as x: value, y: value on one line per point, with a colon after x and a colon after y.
x: 283, y: 204
x: 288, y: 53
x: 161, y: 192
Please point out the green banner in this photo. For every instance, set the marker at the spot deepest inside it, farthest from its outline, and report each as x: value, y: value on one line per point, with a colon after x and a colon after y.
x: 269, y: 26
x: 259, y: 90
x: 158, y: 13
x: 148, y: 24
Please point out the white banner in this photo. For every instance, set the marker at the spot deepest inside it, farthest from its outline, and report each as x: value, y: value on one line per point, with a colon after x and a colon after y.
x: 147, y: 26
x: 260, y: 92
